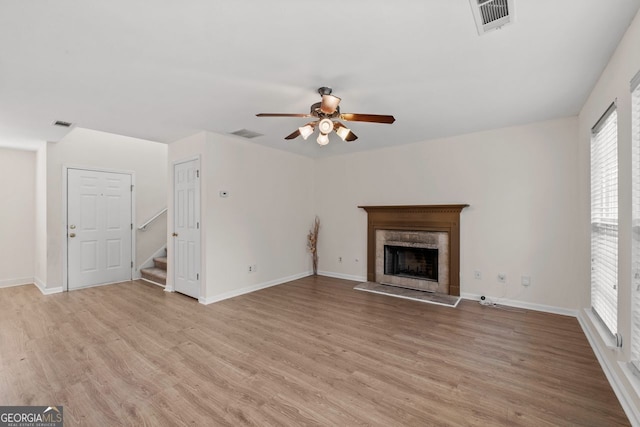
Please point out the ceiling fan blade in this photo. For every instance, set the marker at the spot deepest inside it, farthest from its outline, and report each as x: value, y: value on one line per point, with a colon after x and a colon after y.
x: 282, y: 115
x: 294, y: 135
x: 329, y: 104
x: 371, y: 118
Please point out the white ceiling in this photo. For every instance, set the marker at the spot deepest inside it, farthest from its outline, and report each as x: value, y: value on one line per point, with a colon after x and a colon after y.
x: 164, y: 70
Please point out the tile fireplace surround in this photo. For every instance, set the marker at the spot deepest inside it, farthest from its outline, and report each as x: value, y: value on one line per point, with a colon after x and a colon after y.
x: 436, y: 220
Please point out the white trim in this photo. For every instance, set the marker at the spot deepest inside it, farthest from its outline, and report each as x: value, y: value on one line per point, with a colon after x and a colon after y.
x: 65, y: 202
x: 342, y: 276
x: 152, y: 282
x: 252, y: 288
x: 604, y: 332
x: 523, y: 304
x: 43, y: 288
x: 626, y: 401
x: 39, y: 283
x: 9, y: 283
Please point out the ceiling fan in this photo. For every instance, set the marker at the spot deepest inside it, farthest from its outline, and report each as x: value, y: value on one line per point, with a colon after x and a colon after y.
x: 326, y: 112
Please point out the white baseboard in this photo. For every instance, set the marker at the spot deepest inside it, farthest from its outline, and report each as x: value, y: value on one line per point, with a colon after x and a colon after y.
x: 43, y: 287
x: 342, y: 276
x: 8, y: 283
x: 152, y: 282
x: 617, y: 384
x: 523, y: 304
x: 252, y: 288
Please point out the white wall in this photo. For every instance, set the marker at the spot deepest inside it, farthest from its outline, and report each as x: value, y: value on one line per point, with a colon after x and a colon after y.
x: 520, y: 183
x: 93, y: 149
x: 17, y: 216
x: 613, y: 84
x: 263, y: 222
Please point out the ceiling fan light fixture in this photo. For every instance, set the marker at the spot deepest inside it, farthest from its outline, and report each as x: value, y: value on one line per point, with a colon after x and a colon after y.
x: 329, y: 104
x: 305, y: 131
x: 327, y: 114
x: 343, y: 132
x: 325, y: 126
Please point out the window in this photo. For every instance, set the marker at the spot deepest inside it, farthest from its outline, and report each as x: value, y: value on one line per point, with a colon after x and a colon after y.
x: 635, y: 156
x: 604, y: 219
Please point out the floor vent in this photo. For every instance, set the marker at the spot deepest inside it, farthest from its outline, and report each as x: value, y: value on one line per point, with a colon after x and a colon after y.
x: 245, y: 133
x: 491, y: 14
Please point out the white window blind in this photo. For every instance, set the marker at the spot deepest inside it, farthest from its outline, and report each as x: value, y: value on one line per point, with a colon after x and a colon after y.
x: 604, y: 219
x: 635, y: 155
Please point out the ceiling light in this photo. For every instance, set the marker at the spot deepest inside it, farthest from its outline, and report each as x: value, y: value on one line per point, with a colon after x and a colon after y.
x: 305, y: 131
x: 343, y: 132
x: 329, y: 104
x: 325, y: 126
x: 323, y: 139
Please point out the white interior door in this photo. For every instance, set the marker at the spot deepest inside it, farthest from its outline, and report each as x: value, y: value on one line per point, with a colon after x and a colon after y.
x: 186, y: 227
x: 98, y: 228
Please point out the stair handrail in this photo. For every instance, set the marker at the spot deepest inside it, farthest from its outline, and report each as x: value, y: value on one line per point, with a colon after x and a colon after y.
x: 143, y: 227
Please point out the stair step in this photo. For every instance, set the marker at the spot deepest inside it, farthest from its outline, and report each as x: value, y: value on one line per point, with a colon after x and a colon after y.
x: 161, y: 263
x: 156, y: 275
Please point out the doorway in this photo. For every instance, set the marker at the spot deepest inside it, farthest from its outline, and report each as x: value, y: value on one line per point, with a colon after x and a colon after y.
x: 186, y: 227
x: 99, y: 228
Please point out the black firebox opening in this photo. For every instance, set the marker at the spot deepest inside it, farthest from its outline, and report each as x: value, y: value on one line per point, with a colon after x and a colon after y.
x: 417, y: 263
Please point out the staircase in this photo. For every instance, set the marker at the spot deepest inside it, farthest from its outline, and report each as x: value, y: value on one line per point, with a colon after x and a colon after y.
x: 158, y: 273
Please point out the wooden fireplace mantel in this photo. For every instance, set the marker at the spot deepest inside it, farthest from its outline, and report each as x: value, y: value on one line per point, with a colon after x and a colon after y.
x: 417, y: 218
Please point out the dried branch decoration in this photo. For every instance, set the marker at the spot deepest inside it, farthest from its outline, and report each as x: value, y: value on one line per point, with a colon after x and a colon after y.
x: 312, y: 244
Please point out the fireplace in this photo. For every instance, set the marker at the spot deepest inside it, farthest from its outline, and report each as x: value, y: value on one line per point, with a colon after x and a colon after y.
x: 415, y: 263
x: 416, y: 247
x: 413, y: 246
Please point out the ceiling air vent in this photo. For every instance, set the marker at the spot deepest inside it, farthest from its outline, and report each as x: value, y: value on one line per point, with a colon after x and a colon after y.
x: 62, y: 124
x: 491, y: 14
x: 245, y: 133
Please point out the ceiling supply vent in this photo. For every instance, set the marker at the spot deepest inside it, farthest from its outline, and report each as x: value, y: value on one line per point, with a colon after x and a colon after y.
x: 491, y: 14
x: 245, y: 133
x: 62, y: 123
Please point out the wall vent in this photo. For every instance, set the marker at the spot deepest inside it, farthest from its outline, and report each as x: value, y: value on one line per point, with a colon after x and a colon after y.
x: 491, y: 14
x: 245, y: 133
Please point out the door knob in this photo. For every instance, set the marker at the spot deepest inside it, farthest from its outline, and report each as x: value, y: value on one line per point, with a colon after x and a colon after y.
x: 175, y: 234
x: 73, y: 227
x: 72, y: 235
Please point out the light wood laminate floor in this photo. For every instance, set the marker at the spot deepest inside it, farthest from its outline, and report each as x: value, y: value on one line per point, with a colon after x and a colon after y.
x: 309, y: 352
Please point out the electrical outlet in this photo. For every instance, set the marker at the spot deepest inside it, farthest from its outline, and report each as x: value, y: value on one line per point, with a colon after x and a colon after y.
x: 250, y: 270
x: 526, y: 280
x: 502, y: 278
x: 477, y: 275
x: 253, y: 268
x: 340, y: 259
